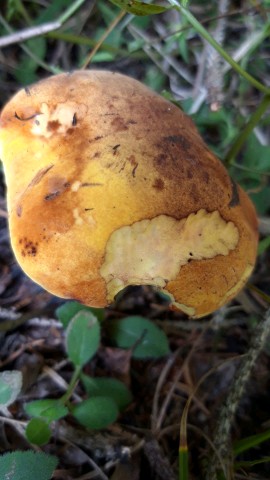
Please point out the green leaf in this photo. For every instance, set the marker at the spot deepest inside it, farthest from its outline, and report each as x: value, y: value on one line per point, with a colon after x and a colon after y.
x: 256, y: 156
x: 10, y: 386
x: 96, y: 413
x: 107, y: 387
x: 53, y: 10
x: 47, y: 408
x: 151, y: 341
x: 261, y: 200
x: 26, y: 69
x: 69, y: 309
x: 5, y: 393
x: 12, y: 9
x: 183, y: 463
x: 249, y: 442
x: 83, y: 338
x: 264, y: 244
x: 38, y: 431
x: 139, y: 8
x: 27, y: 465
x: 183, y: 48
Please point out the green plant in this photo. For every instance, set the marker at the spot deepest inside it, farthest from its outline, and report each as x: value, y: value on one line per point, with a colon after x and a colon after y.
x: 27, y: 465
x: 10, y: 387
x: 228, y: 131
x: 105, y: 397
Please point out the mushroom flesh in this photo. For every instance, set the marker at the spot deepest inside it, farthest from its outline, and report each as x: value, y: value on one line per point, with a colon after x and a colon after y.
x: 110, y: 185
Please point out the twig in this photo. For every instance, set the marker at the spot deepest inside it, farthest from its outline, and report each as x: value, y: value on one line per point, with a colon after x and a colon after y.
x: 167, y: 367
x: 151, y: 44
x: 103, y: 38
x: 32, y: 32
x: 204, y: 33
x: 28, y: 33
x: 11, y: 322
x: 14, y: 422
x: 167, y: 400
x: 214, y: 77
x: 93, y: 464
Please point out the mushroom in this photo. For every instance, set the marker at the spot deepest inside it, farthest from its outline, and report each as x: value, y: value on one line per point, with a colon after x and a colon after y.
x: 110, y: 185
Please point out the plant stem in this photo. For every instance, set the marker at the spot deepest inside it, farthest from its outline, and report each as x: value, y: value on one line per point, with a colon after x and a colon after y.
x: 79, y: 40
x: 69, y: 12
x: 201, y: 30
x: 251, y: 124
x: 103, y: 38
x: 72, y: 384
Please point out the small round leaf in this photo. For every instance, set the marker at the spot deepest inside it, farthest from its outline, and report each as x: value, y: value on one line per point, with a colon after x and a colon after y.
x: 96, y: 412
x: 38, y: 431
x: 148, y: 339
x: 83, y: 338
x: 68, y: 310
x: 108, y: 387
x: 10, y: 386
x: 47, y: 408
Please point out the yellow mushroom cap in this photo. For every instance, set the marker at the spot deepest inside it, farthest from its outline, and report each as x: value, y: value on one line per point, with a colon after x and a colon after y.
x: 110, y: 185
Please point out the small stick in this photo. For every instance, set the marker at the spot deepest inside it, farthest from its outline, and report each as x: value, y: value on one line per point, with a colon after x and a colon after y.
x: 28, y: 33
x: 103, y: 38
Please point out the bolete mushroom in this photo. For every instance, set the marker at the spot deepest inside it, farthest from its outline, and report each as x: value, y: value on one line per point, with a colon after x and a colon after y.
x: 109, y: 185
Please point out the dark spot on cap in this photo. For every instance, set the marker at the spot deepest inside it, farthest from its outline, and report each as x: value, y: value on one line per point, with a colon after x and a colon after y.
x: 30, y: 248
x: 115, y: 148
x: 134, y: 170
x: 234, y: 195
x: 178, y: 140
x: 119, y: 124
x: 194, y: 192
x: 51, y: 196
x: 89, y: 184
x: 19, y: 210
x: 74, y: 120
x: 53, y: 126
x: 205, y: 176
x: 158, y: 184
x: 56, y: 186
x: 132, y: 160
x: 26, y: 119
x: 160, y: 159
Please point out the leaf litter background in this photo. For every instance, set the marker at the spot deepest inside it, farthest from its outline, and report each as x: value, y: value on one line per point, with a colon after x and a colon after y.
x: 143, y: 443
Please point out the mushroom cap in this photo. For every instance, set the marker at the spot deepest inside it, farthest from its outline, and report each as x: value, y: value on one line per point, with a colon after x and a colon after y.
x: 110, y: 185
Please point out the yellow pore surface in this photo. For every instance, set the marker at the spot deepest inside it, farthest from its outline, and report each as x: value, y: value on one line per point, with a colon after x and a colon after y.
x: 110, y: 185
